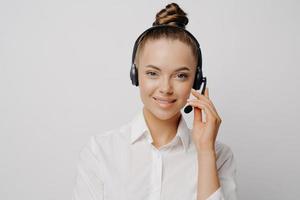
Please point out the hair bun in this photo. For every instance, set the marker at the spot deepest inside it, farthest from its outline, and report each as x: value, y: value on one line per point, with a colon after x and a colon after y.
x: 171, y: 15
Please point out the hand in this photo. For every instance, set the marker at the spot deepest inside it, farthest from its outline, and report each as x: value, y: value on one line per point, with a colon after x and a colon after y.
x: 204, y: 133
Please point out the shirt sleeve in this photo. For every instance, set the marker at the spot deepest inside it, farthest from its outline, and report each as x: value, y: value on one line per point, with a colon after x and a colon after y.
x: 89, y: 183
x: 217, y: 195
x: 227, y: 175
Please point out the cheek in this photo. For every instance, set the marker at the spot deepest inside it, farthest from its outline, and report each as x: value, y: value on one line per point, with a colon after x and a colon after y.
x: 184, y: 90
x: 147, y: 89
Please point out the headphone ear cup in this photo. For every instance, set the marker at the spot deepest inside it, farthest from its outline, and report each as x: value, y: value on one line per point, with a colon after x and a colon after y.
x: 134, y: 75
x: 198, y: 79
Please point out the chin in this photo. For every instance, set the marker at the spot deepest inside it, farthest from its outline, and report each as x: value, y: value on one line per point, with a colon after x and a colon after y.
x: 164, y: 115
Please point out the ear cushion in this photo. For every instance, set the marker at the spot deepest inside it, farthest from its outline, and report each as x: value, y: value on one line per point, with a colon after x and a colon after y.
x: 134, y: 75
x: 198, y: 79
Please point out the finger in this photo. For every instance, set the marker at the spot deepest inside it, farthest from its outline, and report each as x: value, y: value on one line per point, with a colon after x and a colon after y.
x: 197, y: 116
x: 198, y: 112
x: 199, y: 95
x: 195, y: 93
x: 205, y: 109
x: 204, y: 98
x: 206, y: 93
x: 210, y: 113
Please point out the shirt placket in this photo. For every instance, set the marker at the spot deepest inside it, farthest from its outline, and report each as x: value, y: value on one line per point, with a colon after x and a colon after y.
x: 156, y: 178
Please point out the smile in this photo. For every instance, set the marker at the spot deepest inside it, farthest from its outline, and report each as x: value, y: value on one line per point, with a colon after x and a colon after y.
x: 164, y: 103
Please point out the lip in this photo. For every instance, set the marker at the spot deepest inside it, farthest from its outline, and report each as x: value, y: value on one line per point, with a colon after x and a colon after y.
x: 164, y: 103
x: 163, y: 99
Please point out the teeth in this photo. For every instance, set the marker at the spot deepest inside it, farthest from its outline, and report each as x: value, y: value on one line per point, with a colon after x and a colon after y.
x: 163, y: 101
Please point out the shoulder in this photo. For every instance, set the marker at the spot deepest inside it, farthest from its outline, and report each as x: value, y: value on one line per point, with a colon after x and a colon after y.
x: 119, y: 133
x: 223, y: 149
x: 110, y: 140
x: 225, y: 155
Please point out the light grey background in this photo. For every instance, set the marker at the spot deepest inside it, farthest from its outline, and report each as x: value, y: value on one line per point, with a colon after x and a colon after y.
x: 64, y: 76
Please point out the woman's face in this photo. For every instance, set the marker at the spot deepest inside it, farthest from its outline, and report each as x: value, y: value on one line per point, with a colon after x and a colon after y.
x: 166, y: 72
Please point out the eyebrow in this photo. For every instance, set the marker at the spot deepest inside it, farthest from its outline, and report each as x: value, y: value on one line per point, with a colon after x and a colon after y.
x: 179, y: 69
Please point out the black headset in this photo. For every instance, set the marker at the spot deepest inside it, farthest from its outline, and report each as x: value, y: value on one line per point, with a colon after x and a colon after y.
x: 199, y: 79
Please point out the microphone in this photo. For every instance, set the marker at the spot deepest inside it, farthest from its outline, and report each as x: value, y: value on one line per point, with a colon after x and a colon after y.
x: 189, y: 108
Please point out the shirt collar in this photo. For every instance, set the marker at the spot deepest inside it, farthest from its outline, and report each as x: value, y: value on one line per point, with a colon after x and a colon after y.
x: 140, y: 128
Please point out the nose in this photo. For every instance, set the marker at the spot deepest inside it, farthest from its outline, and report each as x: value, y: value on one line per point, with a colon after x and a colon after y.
x: 165, y: 86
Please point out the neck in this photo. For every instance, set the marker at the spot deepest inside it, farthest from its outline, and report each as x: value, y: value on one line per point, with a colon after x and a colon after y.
x: 162, y: 131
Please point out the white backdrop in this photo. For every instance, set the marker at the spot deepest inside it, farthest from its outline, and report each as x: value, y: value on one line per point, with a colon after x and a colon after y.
x: 64, y: 76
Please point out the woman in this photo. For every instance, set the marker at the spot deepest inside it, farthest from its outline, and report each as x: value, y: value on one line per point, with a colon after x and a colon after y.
x: 156, y: 156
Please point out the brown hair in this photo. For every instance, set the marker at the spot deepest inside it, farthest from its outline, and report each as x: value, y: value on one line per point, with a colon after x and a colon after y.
x: 171, y: 15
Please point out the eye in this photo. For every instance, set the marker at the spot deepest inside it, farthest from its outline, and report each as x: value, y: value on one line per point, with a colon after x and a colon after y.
x: 182, y: 76
x: 152, y: 74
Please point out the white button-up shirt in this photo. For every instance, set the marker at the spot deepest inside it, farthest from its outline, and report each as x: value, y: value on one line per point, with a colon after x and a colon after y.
x: 122, y: 164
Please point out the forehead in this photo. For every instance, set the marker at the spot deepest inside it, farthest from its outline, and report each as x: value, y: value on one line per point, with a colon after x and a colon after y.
x: 167, y: 54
